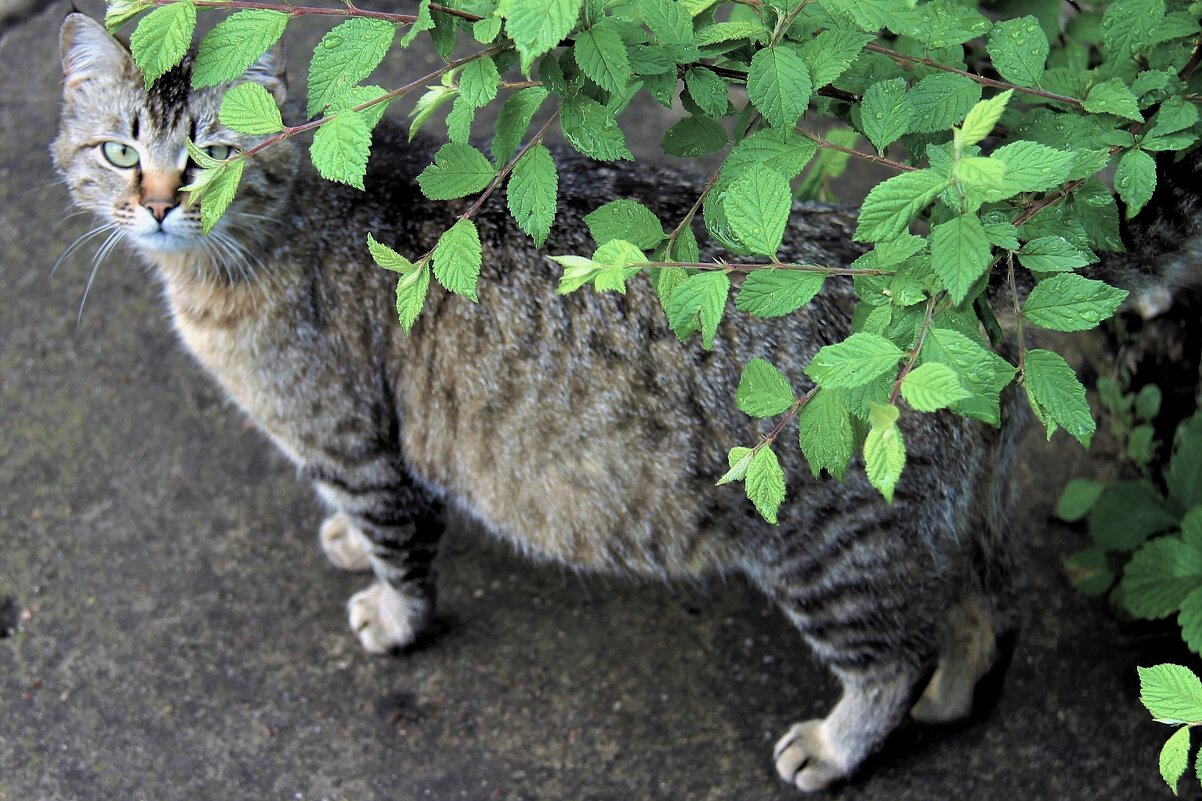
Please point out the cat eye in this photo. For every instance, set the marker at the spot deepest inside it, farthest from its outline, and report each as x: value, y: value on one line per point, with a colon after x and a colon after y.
x: 120, y: 155
x: 219, y: 152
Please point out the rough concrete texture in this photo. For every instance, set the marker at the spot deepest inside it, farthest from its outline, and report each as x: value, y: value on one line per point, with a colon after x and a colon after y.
x: 169, y: 629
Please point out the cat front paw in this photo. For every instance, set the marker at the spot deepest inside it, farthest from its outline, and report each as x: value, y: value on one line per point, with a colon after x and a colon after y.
x: 384, y: 619
x: 344, y: 544
x: 805, y: 759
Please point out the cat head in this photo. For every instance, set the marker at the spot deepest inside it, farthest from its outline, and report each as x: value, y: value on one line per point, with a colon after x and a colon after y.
x: 121, y: 147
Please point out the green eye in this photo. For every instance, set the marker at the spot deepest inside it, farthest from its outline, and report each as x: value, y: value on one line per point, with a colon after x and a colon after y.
x: 219, y: 152
x: 120, y: 155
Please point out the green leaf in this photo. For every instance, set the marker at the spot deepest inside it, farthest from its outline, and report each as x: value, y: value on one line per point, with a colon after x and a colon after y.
x: 942, y: 100
x: 411, y: 292
x: 388, y: 258
x: 885, y: 457
x: 786, y: 152
x: 1174, y: 758
x: 1127, y: 28
x: 979, y: 174
x: 669, y: 22
x: 592, y: 130
x: 358, y: 95
x: 458, y: 170
x: 1190, y: 619
x: 531, y: 193
x: 251, y: 109
x: 602, y: 56
x: 347, y: 54
x: 932, y: 386
x: 1159, y: 577
x: 831, y: 52
x: 161, y: 39
x: 1113, y: 97
x: 1032, y: 167
x: 698, y: 303
x: 776, y: 293
x: 739, y: 460
x: 1055, y: 387
x: 625, y: 219
x: 537, y: 26
x: 885, y: 112
x: 733, y: 30
x: 1053, y: 254
x: 485, y: 30
x: 577, y: 271
x: 1135, y: 180
x: 853, y: 362
x: 960, y: 254
x: 215, y: 188
x: 708, y: 91
x: 341, y: 148
x: 1172, y: 693
x: 982, y: 117
x: 434, y: 98
x: 694, y: 136
x: 513, y: 121
x: 616, y: 255
x: 1127, y: 513
x: 1018, y: 49
x: 779, y: 85
x: 1184, y: 476
x: 893, y: 204
x: 478, y: 82
x: 1089, y: 571
x: 982, y: 372
x: 825, y: 434
x: 1068, y: 302
x: 763, y: 391
x: 765, y: 483
x: 1077, y: 499
x: 757, y: 206
x: 424, y: 22
x: 234, y: 44
x: 119, y: 12
x: 457, y: 259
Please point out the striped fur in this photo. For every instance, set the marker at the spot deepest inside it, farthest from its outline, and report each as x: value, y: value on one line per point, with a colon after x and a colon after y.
x: 577, y: 428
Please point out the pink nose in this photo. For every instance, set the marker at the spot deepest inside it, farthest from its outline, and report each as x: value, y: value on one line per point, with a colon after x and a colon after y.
x: 159, y: 208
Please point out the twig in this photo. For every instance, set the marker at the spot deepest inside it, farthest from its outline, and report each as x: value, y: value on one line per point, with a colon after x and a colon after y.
x: 818, y: 140
x: 912, y: 356
x: 738, y: 267
x: 771, y: 436
x: 347, y: 10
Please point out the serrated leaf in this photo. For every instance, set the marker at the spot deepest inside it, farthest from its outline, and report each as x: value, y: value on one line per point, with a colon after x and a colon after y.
x: 885, y: 112
x: 346, y: 55
x: 537, y: 26
x: 1077, y: 499
x: 388, y: 258
x: 251, y: 109
x: 234, y: 44
x: 531, y: 193
x: 669, y: 23
x: 1190, y: 619
x: 341, y: 148
x: 1174, y: 758
x: 1135, y: 180
x: 733, y: 30
x: 1053, y: 254
x: 786, y: 152
x: 478, y: 82
x: 942, y: 100
x: 697, y: 304
x: 625, y: 219
x: 514, y: 119
x: 884, y: 458
x: 592, y: 130
x: 424, y: 22
x: 779, y: 85
x: 434, y: 98
x: 763, y: 390
x: 708, y: 91
x: 458, y: 258
x: 411, y: 290
x: 980, y: 173
x: 1069, y: 302
x: 825, y: 434
x: 1113, y: 97
x: 694, y: 136
x: 1032, y: 167
x: 356, y: 96
x: 1018, y: 49
x: 215, y: 189
x: 853, y: 362
x: 739, y: 460
x: 119, y: 12
x: 982, y: 372
x: 1184, y: 476
x: 1089, y: 571
x: 757, y: 206
x: 765, y: 483
x: 1159, y: 577
x: 602, y: 56
x: 485, y: 30
x: 831, y: 52
x: 893, y: 204
x: 1127, y: 513
x: 776, y: 293
x: 458, y: 170
x: 960, y: 254
x: 577, y: 271
x: 981, y: 118
x: 1172, y: 693
x: 1055, y: 386
x: 932, y: 386
x: 1127, y: 27
x: 617, y: 256
x: 161, y: 39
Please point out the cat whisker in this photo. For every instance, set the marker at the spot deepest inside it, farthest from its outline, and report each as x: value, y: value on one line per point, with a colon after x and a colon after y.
x: 101, y: 254
x: 79, y: 242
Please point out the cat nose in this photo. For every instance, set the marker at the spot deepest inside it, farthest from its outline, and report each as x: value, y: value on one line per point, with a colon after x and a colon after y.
x: 159, y: 208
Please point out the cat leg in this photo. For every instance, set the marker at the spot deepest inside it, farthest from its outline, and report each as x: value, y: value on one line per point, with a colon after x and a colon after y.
x: 968, y: 652
x: 344, y: 544
x: 399, y: 525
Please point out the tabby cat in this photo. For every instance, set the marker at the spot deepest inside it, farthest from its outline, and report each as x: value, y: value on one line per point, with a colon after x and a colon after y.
x: 577, y: 427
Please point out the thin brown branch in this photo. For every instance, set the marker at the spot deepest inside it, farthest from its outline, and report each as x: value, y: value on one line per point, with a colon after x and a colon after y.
x: 784, y: 420
x: 1018, y: 312
x: 688, y: 218
x: 912, y: 356
x: 1191, y: 66
x: 884, y: 162
x: 738, y: 267
x: 346, y: 10
x: 471, y: 210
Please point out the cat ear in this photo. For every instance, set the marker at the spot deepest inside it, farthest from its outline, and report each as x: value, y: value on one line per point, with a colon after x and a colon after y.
x: 89, y: 52
x: 268, y: 72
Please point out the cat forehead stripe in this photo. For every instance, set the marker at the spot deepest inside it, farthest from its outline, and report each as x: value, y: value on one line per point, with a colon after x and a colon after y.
x: 167, y: 98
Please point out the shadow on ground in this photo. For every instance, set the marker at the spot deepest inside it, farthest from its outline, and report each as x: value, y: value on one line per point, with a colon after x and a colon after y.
x: 169, y: 629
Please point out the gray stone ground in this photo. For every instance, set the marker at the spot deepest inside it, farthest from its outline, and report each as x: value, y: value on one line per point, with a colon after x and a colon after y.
x: 181, y: 637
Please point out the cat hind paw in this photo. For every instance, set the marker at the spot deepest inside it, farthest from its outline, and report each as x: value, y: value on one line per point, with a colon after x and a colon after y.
x: 384, y: 619
x: 804, y: 758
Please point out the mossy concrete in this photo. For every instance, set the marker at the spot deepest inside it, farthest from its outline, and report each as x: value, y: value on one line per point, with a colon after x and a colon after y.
x: 178, y: 634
